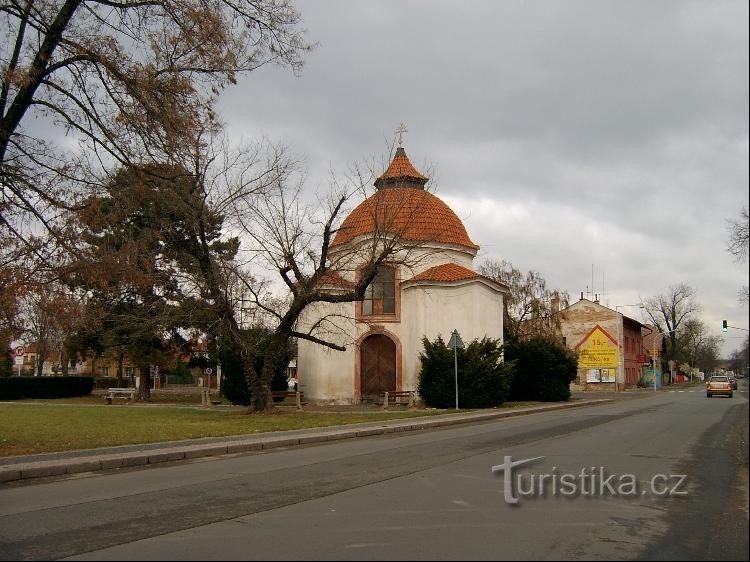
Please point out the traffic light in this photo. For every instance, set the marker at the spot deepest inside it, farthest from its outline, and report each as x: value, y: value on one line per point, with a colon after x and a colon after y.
x: 723, y: 325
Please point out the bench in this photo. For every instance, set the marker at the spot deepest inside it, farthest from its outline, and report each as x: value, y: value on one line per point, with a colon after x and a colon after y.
x: 281, y: 395
x: 396, y: 394
x: 126, y: 393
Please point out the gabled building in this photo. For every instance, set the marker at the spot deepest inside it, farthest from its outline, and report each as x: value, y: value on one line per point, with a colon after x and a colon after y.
x: 610, y: 345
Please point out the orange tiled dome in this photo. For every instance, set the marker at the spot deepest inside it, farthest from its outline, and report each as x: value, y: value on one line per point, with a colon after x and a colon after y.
x: 402, y: 207
x: 401, y: 173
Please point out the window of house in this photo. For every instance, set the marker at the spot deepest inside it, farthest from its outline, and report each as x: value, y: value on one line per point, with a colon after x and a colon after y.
x: 380, y: 296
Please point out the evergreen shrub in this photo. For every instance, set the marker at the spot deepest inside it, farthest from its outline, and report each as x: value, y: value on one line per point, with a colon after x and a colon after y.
x: 483, y: 380
x: 544, y: 370
x: 233, y: 384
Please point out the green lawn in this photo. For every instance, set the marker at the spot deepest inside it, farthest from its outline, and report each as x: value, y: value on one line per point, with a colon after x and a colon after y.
x: 85, y: 422
x: 42, y: 427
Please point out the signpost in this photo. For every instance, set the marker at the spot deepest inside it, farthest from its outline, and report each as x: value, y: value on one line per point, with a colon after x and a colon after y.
x: 456, y: 343
x: 19, y: 358
x: 206, y: 393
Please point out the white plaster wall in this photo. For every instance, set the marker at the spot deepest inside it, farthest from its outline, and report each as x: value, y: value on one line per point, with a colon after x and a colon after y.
x: 419, y: 259
x: 326, y: 374
x: 472, y: 308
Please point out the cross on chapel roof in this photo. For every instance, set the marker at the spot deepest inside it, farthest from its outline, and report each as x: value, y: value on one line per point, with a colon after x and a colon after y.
x: 400, y: 131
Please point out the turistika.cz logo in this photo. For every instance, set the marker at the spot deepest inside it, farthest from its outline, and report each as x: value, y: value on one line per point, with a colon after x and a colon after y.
x: 588, y: 482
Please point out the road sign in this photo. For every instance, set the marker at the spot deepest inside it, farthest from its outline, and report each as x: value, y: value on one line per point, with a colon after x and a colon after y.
x: 455, y: 342
x: 209, y: 370
x: 19, y: 351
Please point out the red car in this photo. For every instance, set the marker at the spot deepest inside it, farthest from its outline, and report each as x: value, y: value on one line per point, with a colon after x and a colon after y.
x: 719, y: 384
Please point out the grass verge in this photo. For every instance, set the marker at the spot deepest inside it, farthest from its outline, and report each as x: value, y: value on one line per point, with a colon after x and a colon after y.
x: 45, y: 426
x: 31, y: 428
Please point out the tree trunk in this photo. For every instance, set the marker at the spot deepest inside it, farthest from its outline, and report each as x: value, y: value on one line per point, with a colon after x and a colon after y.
x: 120, y: 361
x: 39, y: 364
x: 65, y: 362
x: 144, y: 387
x: 262, y: 399
x: 254, y: 384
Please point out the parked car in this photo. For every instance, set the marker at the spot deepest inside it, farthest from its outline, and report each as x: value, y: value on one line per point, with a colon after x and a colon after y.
x: 732, y: 381
x: 719, y: 385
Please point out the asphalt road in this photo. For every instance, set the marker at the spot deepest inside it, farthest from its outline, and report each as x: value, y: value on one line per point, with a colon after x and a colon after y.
x: 427, y: 495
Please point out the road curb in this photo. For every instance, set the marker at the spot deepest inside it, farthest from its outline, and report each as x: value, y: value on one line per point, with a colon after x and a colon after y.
x: 106, y: 461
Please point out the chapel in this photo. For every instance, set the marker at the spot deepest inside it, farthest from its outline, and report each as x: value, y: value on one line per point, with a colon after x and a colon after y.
x: 430, y: 290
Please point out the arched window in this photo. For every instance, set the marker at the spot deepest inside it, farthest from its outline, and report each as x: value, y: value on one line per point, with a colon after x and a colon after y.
x: 380, y: 296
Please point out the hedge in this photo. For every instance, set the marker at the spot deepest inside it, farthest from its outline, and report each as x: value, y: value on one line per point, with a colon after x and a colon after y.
x: 17, y: 388
x: 544, y: 370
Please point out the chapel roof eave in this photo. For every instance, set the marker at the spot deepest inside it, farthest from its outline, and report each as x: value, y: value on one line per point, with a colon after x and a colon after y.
x: 452, y: 274
x: 496, y: 287
x: 362, y: 240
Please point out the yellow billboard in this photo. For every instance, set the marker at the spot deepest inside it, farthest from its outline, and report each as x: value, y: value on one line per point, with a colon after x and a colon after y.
x: 597, y: 350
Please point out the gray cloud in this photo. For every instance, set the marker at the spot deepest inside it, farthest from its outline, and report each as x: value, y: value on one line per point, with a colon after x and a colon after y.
x: 565, y: 134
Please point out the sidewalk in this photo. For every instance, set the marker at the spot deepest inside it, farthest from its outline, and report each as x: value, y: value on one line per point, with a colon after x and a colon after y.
x: 90, y: 460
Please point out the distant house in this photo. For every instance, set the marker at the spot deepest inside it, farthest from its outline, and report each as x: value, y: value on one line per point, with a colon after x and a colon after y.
x: 27, y: 359
x: 610, y: 345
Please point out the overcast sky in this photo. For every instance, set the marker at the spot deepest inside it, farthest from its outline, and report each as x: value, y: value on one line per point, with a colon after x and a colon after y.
x: 564, y: 134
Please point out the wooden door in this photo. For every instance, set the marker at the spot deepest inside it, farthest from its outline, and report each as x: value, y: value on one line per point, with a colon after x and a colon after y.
x: 378, y: 366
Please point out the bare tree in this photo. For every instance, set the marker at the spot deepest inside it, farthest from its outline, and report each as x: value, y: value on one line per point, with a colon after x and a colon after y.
x: 158, y: 256
x: 48, y: 312
x: 12, y: 289
x: 670, y: 311
x: 739, y: 241
x: 698, y: 347
x: 530, y: 306
x: 126, y: 81
x: 739, y: 358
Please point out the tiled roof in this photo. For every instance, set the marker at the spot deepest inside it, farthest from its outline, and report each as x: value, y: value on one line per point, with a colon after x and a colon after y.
x: 414, y: 215
x: 334, y: 279
x: 400, y: 172
x: 447, y: 272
